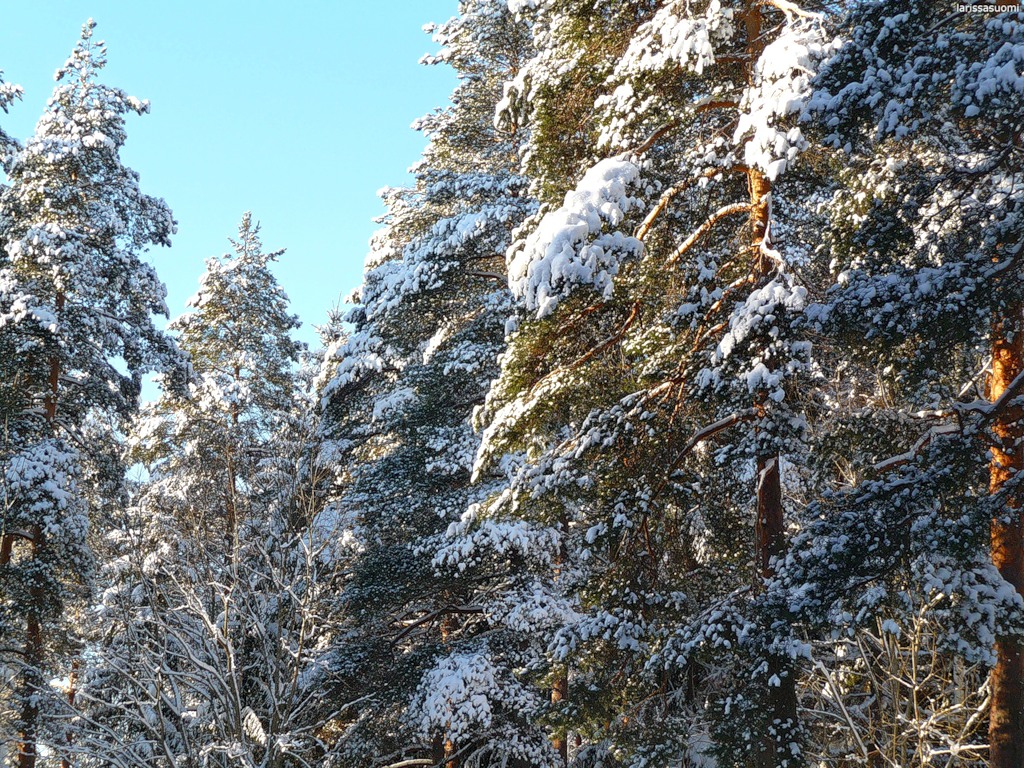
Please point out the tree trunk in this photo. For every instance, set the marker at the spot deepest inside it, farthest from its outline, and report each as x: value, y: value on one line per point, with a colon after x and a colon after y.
x: 560, y: 685
x: 450, y: 761
x: 232, y: 489
x: 34, y: 647
x: 231, y: 510
x: 770, y: 538
x: 781, y: 699
x: 444, y: 747
x: 768, y: 530
x: 442, y: 752
x: 66, y: 761
x: 1006, y: 716
x: 33, y: 682
x: 560, y: 692
x: 437, y: 749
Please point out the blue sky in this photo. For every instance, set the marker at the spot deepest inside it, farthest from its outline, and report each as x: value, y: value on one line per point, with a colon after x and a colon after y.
x: 297, y: 111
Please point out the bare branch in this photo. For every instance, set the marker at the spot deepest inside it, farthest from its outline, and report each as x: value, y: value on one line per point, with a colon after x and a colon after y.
x: 713, y: 104
x: 704, y: 228
x: 594, y: 351
x: 987, y: 411
x: 922, y: 442
x: 672, y: 192
x: 488, y: 275
x: 651, y: 140
x: 705, y: 433
x: 465, y: 609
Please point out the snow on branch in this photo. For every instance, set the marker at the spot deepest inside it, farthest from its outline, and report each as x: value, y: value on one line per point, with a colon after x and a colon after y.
x: 674, y: 36
x: 571, y: 248
x: 782, y: 87
x: 922, y: 442
x: 462, y: 694
x: 792, y: 10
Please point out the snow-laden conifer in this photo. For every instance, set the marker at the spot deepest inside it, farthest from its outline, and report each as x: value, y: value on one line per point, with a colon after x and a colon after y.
x: 76, y: 306
x: 205, y: 446
x: 923, y: 105
x: 218, y: 610
x: 440, y: 677
x: 657, y: 350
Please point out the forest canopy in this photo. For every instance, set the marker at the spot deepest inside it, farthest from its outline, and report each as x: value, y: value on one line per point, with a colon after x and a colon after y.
x: 678, y: 419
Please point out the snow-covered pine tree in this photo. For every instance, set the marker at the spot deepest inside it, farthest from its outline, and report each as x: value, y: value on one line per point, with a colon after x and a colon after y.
x: 519, y: 557
x: 204, y: 447
x: 9, y: 92
x: 9, y: 397
x: 216, y: 617
x: 202, y: 667
x: 925, y: 103
x: 76, y: 302
x: 657, y: 352
x: 437, y: 674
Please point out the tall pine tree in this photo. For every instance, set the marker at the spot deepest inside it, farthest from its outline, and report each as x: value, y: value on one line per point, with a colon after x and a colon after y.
x: 436, y: 672
x: 924, y: 103
x: 657, y: 351
x: 215, y: 619
x: 206, y: 445
x: 76, y: 302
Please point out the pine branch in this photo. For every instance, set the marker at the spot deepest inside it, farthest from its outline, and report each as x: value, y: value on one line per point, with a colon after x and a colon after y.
x: 465, y: 609
x: 988, y: 413
x: 706, y: 433
x: 704, y: 228
x: 594, y: 351
x: 488, y: 275
x: 791, y: 10
x: 651, y: 140
x: 713, y: 104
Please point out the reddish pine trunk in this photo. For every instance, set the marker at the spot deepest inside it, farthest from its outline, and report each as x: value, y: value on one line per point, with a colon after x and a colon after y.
x: 769, y: 531
x: 67, y: 762
x: 450, y: 761
x: 33, y: 659
x: 1006, y: 716
x: 560, y: 692
x: 27, y: 739
x: 443, y: 753
x: 781, y: 700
